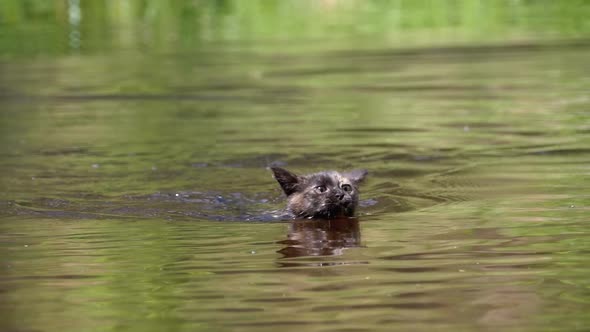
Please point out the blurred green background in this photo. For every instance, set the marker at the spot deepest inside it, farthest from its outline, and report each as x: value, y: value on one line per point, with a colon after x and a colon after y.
x: 62, y: 26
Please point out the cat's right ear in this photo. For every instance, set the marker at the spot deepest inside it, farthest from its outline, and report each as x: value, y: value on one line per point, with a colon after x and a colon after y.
x: 289, y: 182
x: 357, y: 176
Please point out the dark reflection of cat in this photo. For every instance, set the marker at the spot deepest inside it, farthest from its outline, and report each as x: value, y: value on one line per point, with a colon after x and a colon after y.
x: 321, y: 237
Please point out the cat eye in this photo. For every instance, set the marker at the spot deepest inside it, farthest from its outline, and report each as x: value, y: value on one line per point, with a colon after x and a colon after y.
x: 320, y: 189
x: 347, y: 188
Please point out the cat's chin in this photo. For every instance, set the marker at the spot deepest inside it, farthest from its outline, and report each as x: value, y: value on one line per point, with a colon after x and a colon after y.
x: 335, y: 213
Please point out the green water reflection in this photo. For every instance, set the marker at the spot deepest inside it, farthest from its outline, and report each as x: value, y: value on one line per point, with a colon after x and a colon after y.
x: 136, y: 135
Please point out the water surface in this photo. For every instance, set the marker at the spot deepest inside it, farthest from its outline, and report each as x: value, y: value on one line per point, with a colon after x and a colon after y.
x: 135, y: 190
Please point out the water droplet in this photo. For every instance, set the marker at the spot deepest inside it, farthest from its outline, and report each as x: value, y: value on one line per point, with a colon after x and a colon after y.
x: 572, y: 206
x: 461, y: 270
x: 154, y: 168
x: 253, y: 252
x: 95, y: 165
x: 33, y: 178
x: 176, y: 195
x: 466, y: 128
x: 26, y: 245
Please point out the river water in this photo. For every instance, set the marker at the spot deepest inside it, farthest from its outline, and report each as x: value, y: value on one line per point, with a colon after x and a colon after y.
x: 136, y: 193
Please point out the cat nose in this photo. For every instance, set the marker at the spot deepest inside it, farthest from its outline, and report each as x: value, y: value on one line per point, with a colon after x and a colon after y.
x: 340, y: 195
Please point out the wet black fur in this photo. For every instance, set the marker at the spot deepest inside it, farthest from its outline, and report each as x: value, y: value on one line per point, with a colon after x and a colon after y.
x: 325, y: 195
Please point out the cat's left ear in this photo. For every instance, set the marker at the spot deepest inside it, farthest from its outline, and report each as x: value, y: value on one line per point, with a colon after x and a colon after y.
x: 289, y: 181
x: 356, y: 176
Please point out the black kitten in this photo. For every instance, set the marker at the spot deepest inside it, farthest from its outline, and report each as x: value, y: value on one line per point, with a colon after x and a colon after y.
x: 326, y: 195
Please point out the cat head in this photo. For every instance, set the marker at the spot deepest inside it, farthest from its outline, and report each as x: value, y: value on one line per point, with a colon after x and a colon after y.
x: 327, y: 194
